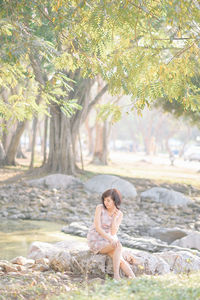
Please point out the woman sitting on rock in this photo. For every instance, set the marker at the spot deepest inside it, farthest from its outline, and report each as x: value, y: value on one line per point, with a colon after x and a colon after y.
x: 102, y: 236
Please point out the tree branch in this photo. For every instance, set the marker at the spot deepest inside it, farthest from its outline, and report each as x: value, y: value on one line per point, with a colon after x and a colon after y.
x: 147, y: 12
x: 179, y: 53
x: 98, y: 96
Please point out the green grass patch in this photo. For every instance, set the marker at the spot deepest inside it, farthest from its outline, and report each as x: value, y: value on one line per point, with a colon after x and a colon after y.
x: 168, y: 287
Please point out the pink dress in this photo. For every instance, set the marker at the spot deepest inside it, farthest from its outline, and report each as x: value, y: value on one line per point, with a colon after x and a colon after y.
x: 95, y: 241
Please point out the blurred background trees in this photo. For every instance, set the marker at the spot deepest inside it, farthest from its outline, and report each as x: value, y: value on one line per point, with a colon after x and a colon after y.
x: 59, y: 59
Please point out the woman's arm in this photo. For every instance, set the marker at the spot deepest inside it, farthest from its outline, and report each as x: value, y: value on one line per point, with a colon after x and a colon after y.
x: 97, y: 223
x: 117, y: 219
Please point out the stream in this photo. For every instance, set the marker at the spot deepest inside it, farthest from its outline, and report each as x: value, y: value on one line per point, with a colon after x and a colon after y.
x: 17, y: 235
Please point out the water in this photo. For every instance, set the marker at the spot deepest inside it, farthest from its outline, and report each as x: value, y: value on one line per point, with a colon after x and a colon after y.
x: 16, y: 236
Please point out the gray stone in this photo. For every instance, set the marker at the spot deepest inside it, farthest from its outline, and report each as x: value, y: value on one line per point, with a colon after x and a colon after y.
x: 182, y: 261
x: 79, y: 260
x: 165, y: 196
x: 77, y: 228
x: 141, y: 243
x: 192, y: 241
x: 4, y: 213
x: 167, y: 234
x: 61, y: 261
x: 39, y: 250
x: 101, y: 183
x: 56, y: 181
x: 20, y: 260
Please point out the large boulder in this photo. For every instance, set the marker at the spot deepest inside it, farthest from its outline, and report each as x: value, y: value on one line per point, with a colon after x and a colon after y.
x: 168, y: 235
x: 76, y: 228
x: 165, y: 196
x: 39, y: 250
x: 101, y: 183
x: 192, y: 241
x: 56, y: 181
x: 143, y: 262
x: 182, y: 261
x: 61, y: 261
x: 141, y: 243
x: 79, y: 260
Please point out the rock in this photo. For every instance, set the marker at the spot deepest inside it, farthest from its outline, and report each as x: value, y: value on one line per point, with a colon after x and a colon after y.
x: 40, y: 267
x: 71, y: 245
x: 101, y: 183
x: 4, y: 213
x: 165, y: 196
x: 87, y: 263
x: 147, y: 244
x: 61, y: 261
x: 75, y: 228
x: 45, y: 202
x: 8, y: 267
x: 39, y: 250
x: 82, y: 261
x: 182, y: 261
x: 56, y: 181
x: 44, y: 261
x: 146, y: 263
x: 192, y: 241
x: 21, y: 269
x: 141, y: 243
x: 167, y: 234
x: 20, y: 260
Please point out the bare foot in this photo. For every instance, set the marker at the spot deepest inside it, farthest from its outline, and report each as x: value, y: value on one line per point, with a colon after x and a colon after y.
x: 131, y: 276
x: 117, y: 278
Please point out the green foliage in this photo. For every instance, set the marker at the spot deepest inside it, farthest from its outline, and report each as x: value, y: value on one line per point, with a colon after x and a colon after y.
x: 109, y: 111
x: 189, y: 109
x: 145, y: 49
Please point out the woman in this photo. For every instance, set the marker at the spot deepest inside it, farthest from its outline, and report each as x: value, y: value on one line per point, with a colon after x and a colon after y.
x: 102, y: 236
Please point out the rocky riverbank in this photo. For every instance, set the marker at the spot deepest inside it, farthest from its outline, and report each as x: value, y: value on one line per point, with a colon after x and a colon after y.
x: 74, y: 206
x: 161, y: 228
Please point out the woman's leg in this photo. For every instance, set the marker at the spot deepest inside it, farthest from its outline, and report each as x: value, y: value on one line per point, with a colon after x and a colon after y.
x: 106, y: 250
x: 116, y: 256
x: 126, y: 268
x: 115, y: 253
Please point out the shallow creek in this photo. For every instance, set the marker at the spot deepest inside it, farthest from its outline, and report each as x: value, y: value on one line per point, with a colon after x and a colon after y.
x: 16, y: 236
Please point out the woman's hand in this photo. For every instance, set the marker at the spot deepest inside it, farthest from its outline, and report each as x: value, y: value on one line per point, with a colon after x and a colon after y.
x: 116, y: 221
x: 115, y: 214
x: 114, y: 242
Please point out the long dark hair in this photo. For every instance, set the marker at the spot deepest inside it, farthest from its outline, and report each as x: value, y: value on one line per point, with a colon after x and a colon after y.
x: 114, y: 194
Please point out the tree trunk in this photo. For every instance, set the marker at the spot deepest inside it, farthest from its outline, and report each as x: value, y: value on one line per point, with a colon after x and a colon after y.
x: 12, y: 149
x: 61, y: 158
x: 101, y: 144
x: 20, y: 153
x: 35, y: 121
x: 182, y: 150
x: 45, y: 140
x: 2, y: 152
x: 64, y: 131
x: 171, y: 154
x: 90, y: 137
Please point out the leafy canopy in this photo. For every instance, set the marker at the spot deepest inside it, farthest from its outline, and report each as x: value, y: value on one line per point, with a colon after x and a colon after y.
x: 144, y: 49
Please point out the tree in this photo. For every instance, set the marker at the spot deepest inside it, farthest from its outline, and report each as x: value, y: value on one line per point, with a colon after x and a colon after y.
x: 137, y: 48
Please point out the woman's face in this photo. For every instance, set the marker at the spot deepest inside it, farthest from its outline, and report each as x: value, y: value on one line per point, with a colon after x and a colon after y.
x: 109, y: 203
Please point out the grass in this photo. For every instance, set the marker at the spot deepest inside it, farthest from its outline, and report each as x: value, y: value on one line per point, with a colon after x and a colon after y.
x: 159, y: 174
x: 168, y: 287
x: 128, y: 165
x: 48, y: 286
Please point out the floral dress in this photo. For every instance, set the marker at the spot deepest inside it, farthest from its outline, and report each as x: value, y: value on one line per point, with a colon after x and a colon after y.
x: 95, y: 241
